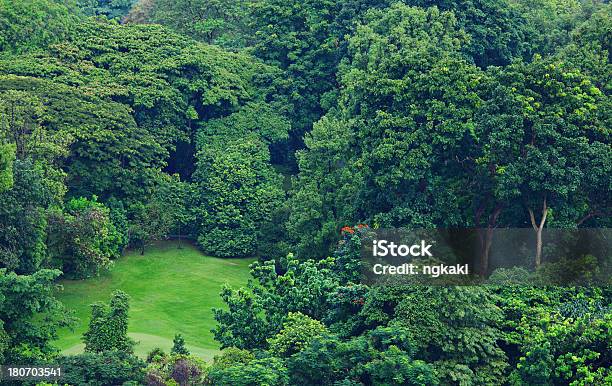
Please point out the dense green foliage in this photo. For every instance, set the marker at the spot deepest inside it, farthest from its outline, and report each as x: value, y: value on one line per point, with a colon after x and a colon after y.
x: 297, y: 333
x: 108, y: 326
x: 30, y: 318
x: 239, y: 190
x: 112, y: 9
x: 83, y: 238
x: 23, y: 230
x: 211, y: 21
x: 7, y: 156
x: 406, y: 107
x: 99, y: 369
x: 28, y: 25
x: 145, y: 121
x: 261, y: 128
x: 412, y: 334
x: 416, y: 123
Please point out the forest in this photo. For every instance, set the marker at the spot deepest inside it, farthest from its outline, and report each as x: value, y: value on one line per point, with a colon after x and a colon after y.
x: 284, y: 132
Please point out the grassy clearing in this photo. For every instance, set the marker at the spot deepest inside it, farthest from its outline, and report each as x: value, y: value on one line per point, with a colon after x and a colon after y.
x: 172, y: 290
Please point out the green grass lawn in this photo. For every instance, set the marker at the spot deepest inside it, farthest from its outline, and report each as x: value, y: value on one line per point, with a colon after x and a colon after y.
x: 172, y: 290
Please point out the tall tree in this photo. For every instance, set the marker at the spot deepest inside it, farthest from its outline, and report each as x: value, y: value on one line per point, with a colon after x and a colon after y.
x: 297, y: 36
x: 30, y: 25
x: 21, y: 123
x: 237, y: 192
x: 404, y: 125
x: 108, y: 326
x: 113, y: 9
x: 23, y: 224
x: 211, y: 21
x: 495, y: 27
x: 7, y: 156
x: 590, y: 47
x: 548, y: 143
x: 30, y: 316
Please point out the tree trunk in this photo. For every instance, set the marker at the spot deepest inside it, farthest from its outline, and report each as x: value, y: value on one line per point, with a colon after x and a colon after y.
x: 538, y: 256
x: 486, y: 238
x: 179, y: 238
x: 538, y: 230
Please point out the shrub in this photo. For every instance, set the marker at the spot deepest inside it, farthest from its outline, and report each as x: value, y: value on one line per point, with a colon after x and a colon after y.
x: 176, y: 369
x: 297, y: 333
x: 83, y: 240
x: 178, y: 346
x: 101, y: 369
x: 108, y: 326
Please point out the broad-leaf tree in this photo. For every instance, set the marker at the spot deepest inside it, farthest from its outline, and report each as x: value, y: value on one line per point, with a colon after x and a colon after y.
x: 547, y: 144
x: 237, y: 192
x: 108, y: 326
x: 30, y: 316
x: 393, y: 151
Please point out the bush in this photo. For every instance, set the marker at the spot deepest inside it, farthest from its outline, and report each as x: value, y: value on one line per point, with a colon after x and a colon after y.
x: 265, y: 371
x: 297, y: 333
x: 108, y: 326
x: 104, y: 368
x: 82, y: 239
x: 176, y: 369
x: 232, y: 356
x: 456, y: 329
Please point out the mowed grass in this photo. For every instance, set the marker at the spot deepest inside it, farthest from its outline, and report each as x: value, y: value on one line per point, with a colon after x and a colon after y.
x: 172, y: 291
